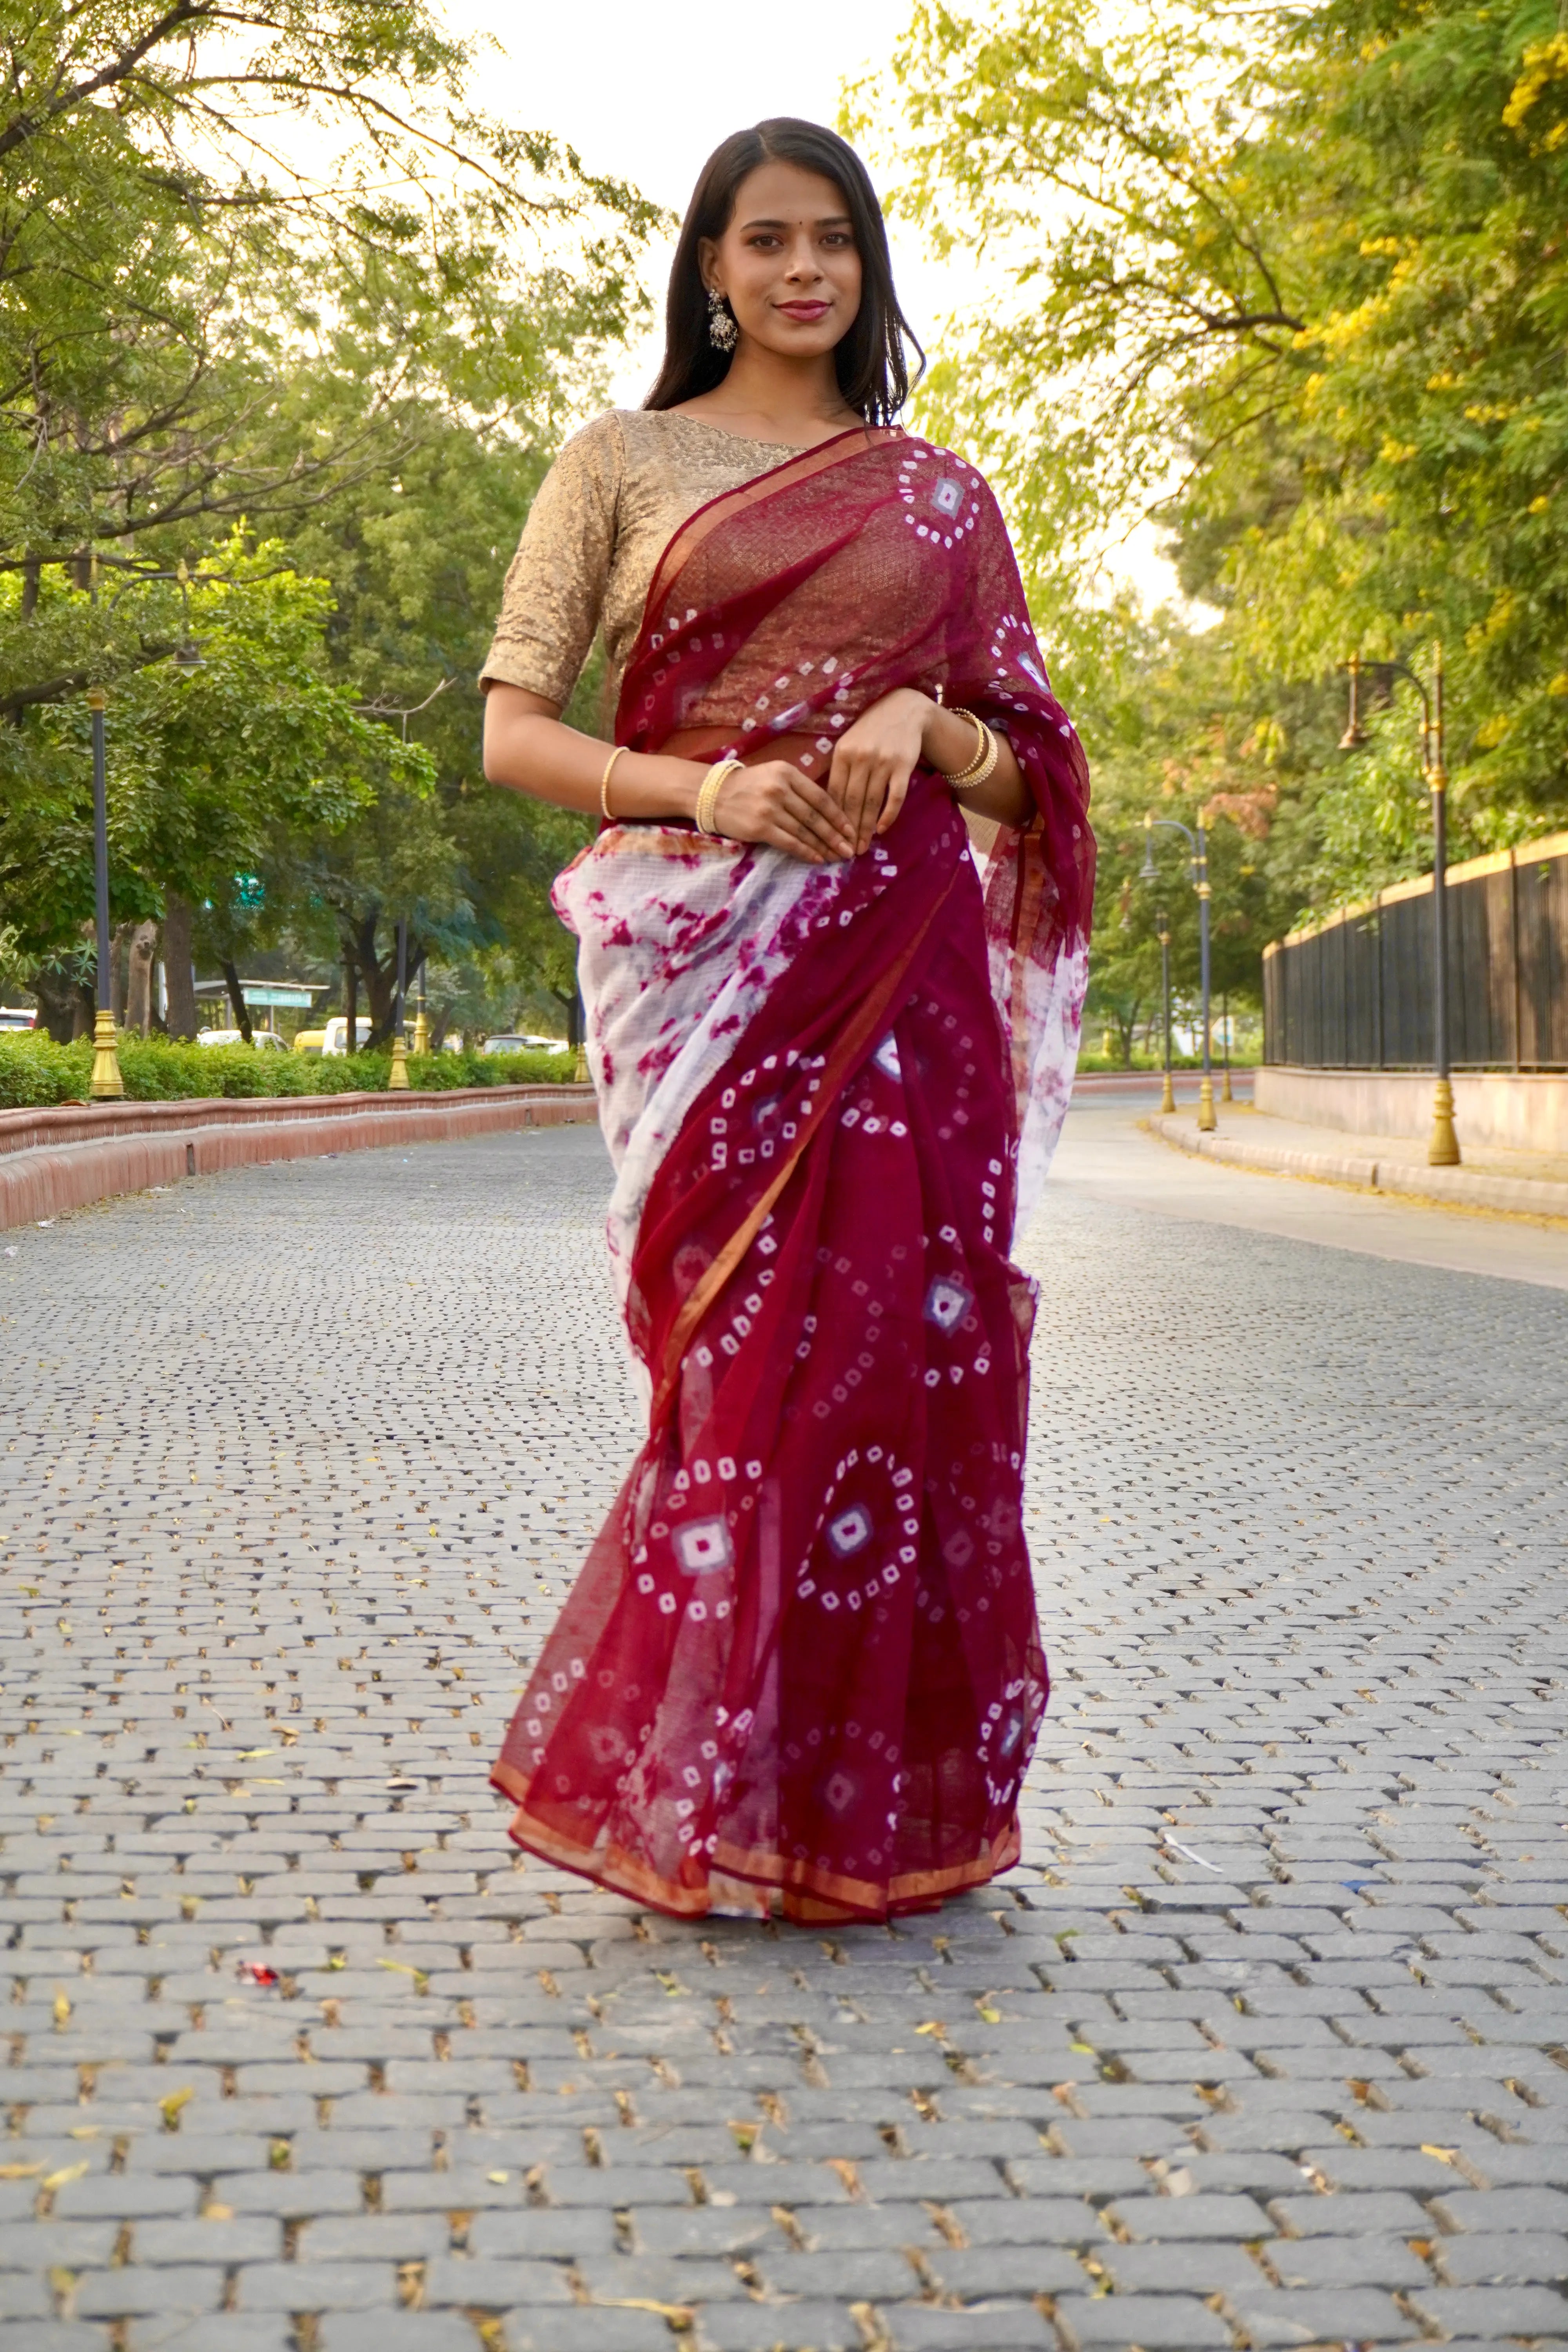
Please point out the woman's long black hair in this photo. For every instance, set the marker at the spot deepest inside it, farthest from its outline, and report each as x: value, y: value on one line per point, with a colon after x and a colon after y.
x: 873, y: 371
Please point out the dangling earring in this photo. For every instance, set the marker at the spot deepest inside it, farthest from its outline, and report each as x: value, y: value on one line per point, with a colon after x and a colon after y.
x: 722, y: 332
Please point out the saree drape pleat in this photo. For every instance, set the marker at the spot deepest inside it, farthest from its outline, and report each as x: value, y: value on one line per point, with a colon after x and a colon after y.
x: 803, y: 1655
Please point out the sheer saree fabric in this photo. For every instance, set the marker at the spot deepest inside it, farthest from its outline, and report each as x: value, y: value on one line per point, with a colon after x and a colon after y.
x: 803, y: 1656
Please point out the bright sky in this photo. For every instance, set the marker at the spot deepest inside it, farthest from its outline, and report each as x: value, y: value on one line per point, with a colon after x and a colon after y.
x: 647, y: 94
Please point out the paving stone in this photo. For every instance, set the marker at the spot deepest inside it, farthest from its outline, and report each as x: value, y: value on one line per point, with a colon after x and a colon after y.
x: 396, y: 2331
x: 800, y: 2328
x: 1272, y: 2317
x: 1328, y: 1660
x: 1509, y: 2259
x: 1531, y: 2311
x: 994, y: 2328
x: 214, y: 2331
x: 1156, y: 2322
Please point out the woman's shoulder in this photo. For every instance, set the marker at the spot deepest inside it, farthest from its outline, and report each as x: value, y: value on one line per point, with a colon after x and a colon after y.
x: 947, y: 464
x: 597, y: 450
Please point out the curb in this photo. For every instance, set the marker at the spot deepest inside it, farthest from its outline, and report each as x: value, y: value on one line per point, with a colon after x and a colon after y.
x: 1447, y: 1188
x: 59, y: 1167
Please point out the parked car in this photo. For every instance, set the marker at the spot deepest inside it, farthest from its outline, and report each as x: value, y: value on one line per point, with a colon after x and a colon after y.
x: 332, y: 1038
x: 513, y: 1042
x: 267, y: 1037
x: 18, y: 1017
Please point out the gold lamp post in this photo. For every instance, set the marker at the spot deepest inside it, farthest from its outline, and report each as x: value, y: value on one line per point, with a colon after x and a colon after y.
x: 397, y: 1077
x: 1149, y: 872
x: 1443, y: 1146
x: 106, y: 1083
x: 1167, y: 1093
x: 421, y: 1026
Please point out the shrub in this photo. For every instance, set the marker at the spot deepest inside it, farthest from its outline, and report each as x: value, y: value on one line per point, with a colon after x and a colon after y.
x: 34, y: 1069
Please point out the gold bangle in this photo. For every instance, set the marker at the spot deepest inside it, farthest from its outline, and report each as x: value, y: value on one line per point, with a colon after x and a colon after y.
x: 605, y: 810
x: 981, y: 745
x: 986, y: 753
x: 966, y: 783
x: 708, y: 793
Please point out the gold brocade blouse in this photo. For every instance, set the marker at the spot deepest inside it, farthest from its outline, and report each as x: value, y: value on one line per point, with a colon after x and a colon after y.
x: 603, y: 515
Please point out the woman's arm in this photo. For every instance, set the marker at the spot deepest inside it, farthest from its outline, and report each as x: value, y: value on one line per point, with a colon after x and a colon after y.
x: 528, y: 750
x: 874, y: 760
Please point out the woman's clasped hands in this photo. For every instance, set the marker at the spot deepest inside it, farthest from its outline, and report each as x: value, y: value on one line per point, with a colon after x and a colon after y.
x: 775, y: 802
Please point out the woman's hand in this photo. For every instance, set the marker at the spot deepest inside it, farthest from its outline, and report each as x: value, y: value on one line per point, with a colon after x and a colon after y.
x: 775, y: 804
x: 874, y: 760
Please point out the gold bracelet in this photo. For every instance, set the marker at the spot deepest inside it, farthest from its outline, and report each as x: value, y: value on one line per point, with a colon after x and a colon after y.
x: 988, y: 752
x: 708, y: 793
x: 981, y: 745
x: 606, y: 809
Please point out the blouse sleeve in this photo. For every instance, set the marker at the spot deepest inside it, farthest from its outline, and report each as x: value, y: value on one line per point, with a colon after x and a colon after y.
x: 555, y: 590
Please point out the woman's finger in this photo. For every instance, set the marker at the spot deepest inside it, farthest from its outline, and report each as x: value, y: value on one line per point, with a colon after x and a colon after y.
x: 860, y: 793
x: 821, y: 825
x: 896, y: 793
x: 829, y: 821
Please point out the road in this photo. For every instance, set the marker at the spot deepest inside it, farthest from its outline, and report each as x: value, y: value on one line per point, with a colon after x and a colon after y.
x: 1262, y: 2044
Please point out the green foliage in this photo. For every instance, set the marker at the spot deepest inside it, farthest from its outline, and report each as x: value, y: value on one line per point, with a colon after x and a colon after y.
x: 1295, y: 282
x: 34, y: 1069
x: 326, y: 392
x: 209, y: 772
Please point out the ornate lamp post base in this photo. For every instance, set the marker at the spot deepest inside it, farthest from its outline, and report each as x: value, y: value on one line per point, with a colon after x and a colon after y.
x: 1207, y: 1121
x: 1443, y: 1151
x: 421, y: 1033
x: 107, y: 1085
x: 398, y: 1083
x: 1167, y: 1094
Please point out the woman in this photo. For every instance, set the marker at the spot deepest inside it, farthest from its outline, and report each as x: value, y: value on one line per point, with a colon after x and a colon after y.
x: 802, y: 1662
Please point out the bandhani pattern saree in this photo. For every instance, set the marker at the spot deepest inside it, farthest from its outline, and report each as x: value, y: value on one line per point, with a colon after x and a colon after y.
x: 802, y: 1662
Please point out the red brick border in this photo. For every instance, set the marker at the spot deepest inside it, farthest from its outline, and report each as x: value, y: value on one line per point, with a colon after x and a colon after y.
x: 55, y: 1159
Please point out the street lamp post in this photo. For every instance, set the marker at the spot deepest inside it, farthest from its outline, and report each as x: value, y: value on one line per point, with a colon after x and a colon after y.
x: 1150, y: 872
x: 1167, y: 1094
x: 421, y: 1026
x: 106, y: 1084
x: 1443, y: 1146
x: 397, y: 1077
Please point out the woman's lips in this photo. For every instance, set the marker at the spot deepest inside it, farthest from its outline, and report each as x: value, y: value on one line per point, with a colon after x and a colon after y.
x: 808, y: 311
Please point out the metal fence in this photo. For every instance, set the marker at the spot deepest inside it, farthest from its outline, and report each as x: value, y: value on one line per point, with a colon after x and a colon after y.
x: 1354, y: 992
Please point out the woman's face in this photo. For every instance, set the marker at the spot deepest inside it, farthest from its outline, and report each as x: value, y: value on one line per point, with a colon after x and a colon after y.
x: 787, y: 261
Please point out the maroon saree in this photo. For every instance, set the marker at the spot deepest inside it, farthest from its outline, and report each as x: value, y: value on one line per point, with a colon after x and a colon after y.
x: 803, y: 1655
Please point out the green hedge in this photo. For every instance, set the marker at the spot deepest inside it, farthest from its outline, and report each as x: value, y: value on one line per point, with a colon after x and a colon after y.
x: 34, y: 1069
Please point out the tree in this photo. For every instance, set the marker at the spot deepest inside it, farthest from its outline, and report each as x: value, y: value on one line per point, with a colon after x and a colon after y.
x: 178, y: 302
x: 1294, y: 282
x: 210, y: 771
x: 203, y: 348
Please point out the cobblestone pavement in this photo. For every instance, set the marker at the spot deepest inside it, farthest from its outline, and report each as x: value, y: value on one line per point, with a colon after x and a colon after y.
x: 1262, y: 2046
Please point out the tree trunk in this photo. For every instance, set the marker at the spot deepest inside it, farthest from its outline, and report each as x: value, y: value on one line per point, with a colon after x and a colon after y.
x: 179, y: 977
x: 237, y: 998
x: 120, y: 940
x: 65, y: 1002
x: 350, y: 1002
x: 141, y: 950
x: 381, y: 984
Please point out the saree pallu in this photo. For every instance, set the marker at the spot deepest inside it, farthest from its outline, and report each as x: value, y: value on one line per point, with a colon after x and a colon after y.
x: 803, y: 1656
